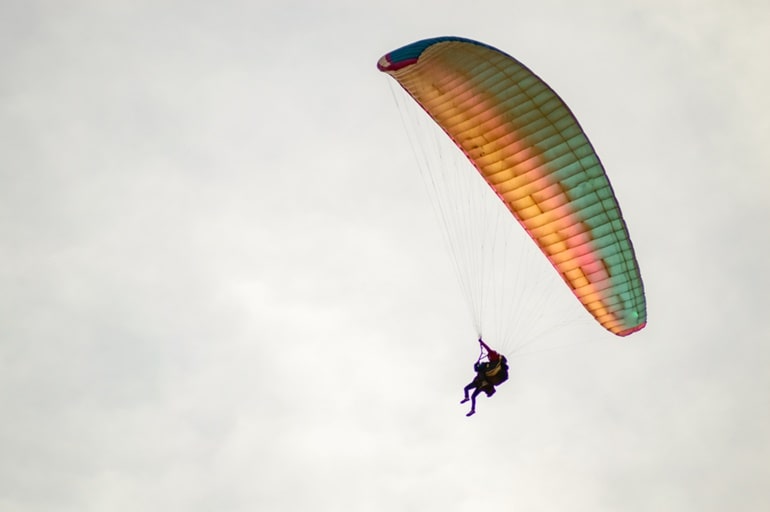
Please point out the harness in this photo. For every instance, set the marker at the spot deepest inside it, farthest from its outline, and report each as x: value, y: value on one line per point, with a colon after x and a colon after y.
x: 491, y: 372
x: 498, y: 373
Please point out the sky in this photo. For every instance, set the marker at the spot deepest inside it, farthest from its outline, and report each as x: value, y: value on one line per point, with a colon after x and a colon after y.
x: 224, y: 288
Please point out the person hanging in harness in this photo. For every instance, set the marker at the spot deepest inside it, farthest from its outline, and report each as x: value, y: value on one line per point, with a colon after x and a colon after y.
x: 489, y: 373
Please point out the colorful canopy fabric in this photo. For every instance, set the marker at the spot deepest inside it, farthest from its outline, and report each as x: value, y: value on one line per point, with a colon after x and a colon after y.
x: 530, y: 149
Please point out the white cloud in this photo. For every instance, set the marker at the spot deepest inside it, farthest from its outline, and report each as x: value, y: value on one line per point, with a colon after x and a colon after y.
x: 222, y: 287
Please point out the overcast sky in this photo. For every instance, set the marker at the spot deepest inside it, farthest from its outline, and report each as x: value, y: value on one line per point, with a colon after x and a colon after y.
x: 223, y: 286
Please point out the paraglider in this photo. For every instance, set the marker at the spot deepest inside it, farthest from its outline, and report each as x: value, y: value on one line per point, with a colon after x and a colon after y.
x: 489, y: 373
x: 531, y: 151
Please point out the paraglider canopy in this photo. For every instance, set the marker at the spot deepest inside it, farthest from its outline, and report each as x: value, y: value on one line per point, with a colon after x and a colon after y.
x: 529, y: 148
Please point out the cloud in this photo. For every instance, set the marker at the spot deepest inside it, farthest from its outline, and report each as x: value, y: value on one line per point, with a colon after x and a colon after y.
x: 222, y: 286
